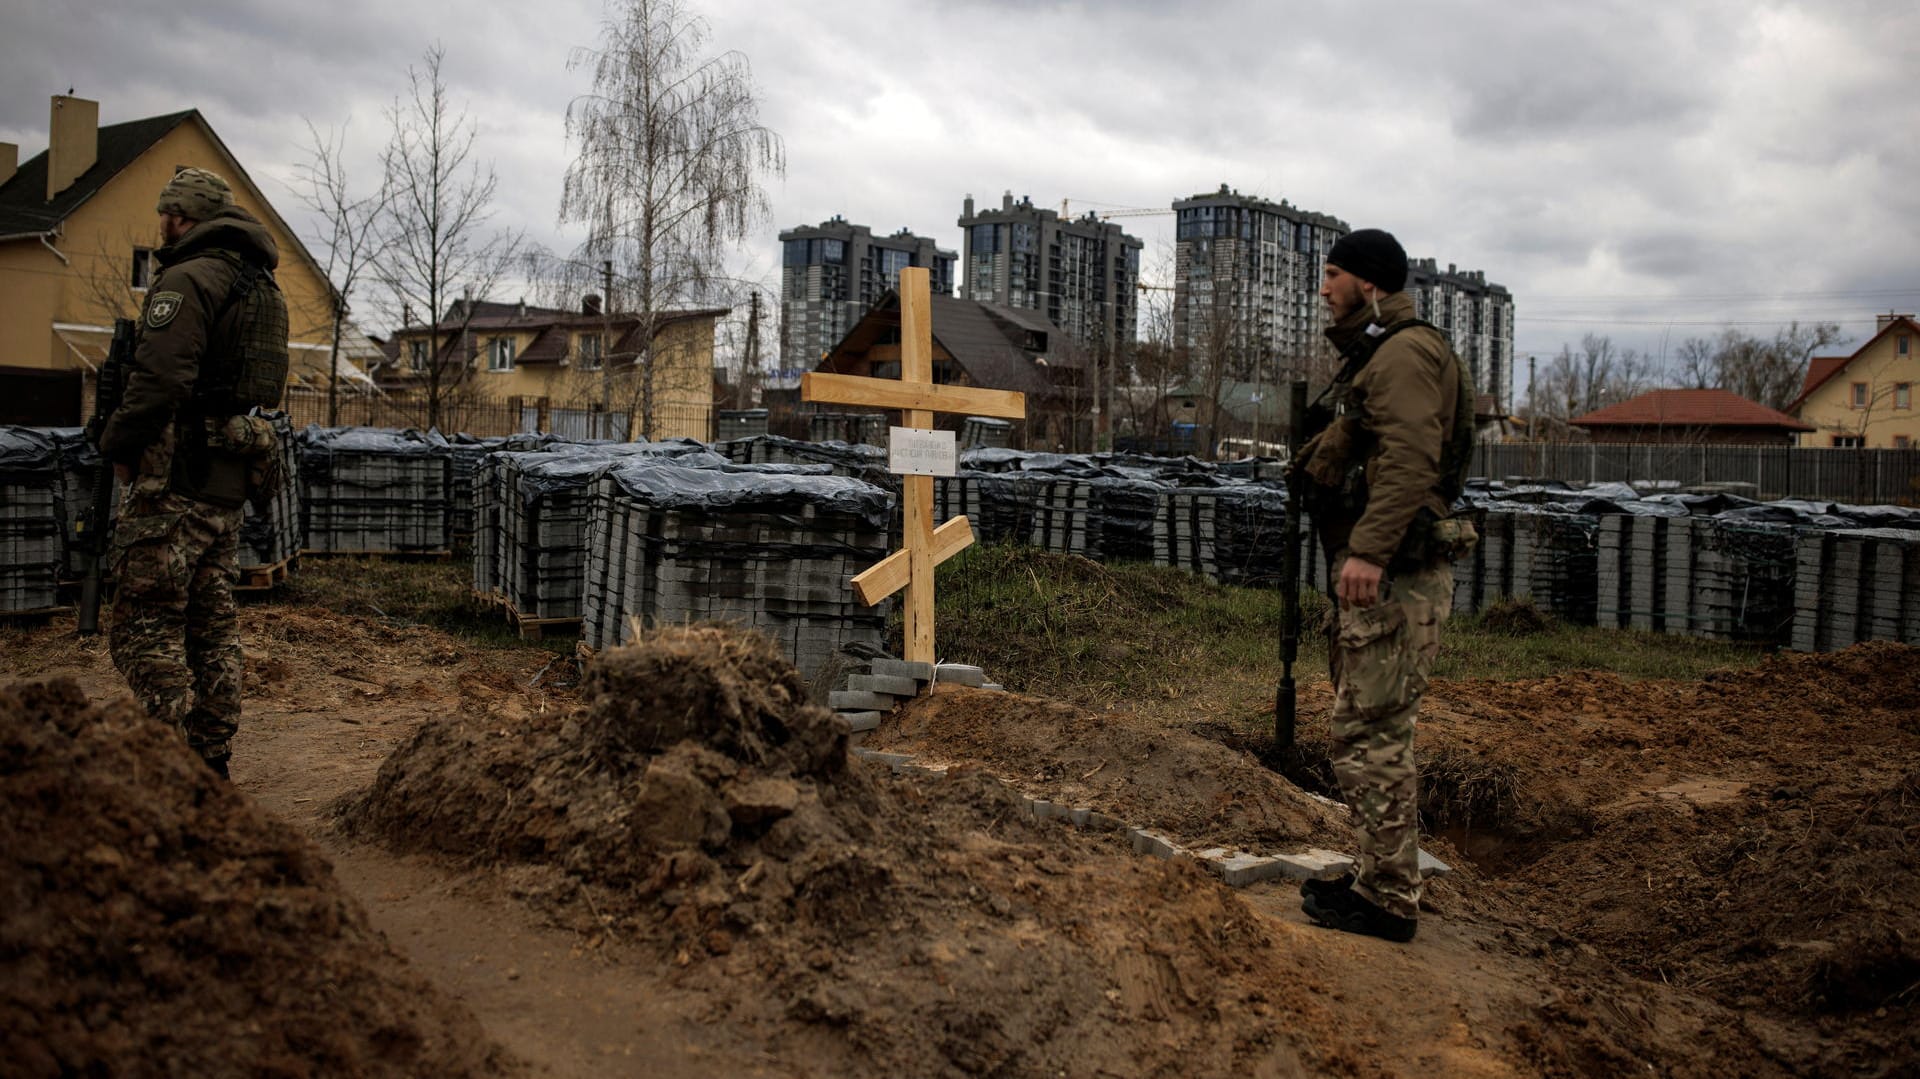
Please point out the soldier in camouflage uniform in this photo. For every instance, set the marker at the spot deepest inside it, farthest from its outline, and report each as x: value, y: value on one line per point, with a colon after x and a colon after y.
x: 175, y: 632
x: 1382, y: 478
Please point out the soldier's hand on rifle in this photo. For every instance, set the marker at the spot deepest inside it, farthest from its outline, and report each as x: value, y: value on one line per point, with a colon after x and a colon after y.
x: 123, y: 473
x: 1359, y: 584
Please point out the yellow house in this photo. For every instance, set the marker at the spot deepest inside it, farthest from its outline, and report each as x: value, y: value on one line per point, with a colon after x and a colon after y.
x: 77, y: 229
x: 571, y: 372
x: 1865, y: 400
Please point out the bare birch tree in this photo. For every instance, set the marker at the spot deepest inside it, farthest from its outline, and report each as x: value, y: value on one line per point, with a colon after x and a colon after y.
x: 669, y: 168
x: 349, y: 237
x: 434, y: 235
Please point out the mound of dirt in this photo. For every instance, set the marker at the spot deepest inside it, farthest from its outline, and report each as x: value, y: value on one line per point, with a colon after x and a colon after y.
x: 155, y: 922
x: 1750, y: 837
x: 1192, y: 788
x: 699, y: 806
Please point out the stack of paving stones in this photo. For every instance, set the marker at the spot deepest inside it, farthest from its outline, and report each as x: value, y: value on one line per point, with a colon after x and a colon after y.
x: 853, y: 428
x: 873, y: 692
x: 532, y: 512
x: 32, y: 548
x: 771, y: 550
x: 376, y: 491
x: 1126, y: 512
x: 77, y: 462
x: 732, y: 423
x: 1737, y: 583
x: 467, y: 452
x: 1858, y: 584
x: 981, y: 431
x: 1631, y: 580
x: 861, y: 462
x: 272, y: 536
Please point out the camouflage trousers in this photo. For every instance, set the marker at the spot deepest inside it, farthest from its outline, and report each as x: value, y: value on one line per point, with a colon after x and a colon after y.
x: 176, y: 632
x: 1380, y: 658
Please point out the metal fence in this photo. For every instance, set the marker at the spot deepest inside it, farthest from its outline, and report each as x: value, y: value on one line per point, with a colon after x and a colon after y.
x: 488, y: 420
x: 1766, y: 472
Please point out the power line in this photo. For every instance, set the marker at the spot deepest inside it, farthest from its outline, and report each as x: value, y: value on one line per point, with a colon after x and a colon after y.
x: 1844, y: 320
x: 1716, y: 297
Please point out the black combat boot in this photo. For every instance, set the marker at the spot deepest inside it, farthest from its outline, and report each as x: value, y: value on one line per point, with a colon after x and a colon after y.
x: 1313, y: 887
x: 219, y: 766
x: 1350, y: 912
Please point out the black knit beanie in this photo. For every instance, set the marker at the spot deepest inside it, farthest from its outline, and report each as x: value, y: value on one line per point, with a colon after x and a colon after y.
x: 1372, y: 255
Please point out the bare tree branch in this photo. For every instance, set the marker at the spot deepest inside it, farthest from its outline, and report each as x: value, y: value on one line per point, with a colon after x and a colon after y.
x: 669, y: 167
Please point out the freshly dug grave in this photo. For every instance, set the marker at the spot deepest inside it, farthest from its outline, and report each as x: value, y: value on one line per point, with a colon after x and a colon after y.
x: 155, y: 922
x: 699, y: 807
x: 1753, y: 837
x: 1194, y: 789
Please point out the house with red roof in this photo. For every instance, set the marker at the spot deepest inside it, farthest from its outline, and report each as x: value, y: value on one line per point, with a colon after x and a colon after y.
x: 1865, y: 400
x: 1701, y: 417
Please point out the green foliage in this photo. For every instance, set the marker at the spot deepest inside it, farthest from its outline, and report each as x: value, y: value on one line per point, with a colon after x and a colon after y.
x: 1068, y: 627
x: 402, y: 591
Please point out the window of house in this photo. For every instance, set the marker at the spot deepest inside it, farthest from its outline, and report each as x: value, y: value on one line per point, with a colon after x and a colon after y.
x: 1859, y: 398
x: 589, y: 347
x: 500, y: 354
x: 417, y: 355
x: 1902, y: 345
x: 142, y: 268
x: 1848, y: 442
x: 1902, y: 442
x: 1903, y: 395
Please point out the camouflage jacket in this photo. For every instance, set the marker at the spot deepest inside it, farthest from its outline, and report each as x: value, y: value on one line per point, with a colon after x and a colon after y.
x: 177, y: 325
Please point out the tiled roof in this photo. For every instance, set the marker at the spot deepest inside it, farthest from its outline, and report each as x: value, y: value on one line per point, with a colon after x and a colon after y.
x: 984, y: 339
x: 1689, y: 408
x: 1823, y: 368
x: 1820, y: 369
x: 24, y: 206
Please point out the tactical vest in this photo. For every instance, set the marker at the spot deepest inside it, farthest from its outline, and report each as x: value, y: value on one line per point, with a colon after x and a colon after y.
x: 1456, y: 453
x: 247, y: 368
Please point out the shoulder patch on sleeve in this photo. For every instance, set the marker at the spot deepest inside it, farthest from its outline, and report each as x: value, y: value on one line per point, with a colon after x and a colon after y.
x: 162, y: 306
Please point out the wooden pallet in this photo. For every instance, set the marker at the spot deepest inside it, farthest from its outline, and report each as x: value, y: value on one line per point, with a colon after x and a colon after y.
x: 536, y: 629
x: 263, y: 578
x: 529, y: 627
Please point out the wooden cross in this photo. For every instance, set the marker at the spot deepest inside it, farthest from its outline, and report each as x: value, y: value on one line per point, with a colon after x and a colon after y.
x: 917, y: 397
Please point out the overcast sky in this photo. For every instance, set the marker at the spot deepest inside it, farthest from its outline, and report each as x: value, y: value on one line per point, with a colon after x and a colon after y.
x: 1651, y: 169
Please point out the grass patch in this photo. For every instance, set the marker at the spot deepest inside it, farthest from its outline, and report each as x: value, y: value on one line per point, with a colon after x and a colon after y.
x: 402, y: 591
x: 1073, y: 628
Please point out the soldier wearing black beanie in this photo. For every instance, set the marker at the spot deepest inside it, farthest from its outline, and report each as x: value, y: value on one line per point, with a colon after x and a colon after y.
x: 1372, y: 255
x: 1380, y: 481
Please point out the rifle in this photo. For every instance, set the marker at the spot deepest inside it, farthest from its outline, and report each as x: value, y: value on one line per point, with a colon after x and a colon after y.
x: 1284, y: 701
x: 93, y: 532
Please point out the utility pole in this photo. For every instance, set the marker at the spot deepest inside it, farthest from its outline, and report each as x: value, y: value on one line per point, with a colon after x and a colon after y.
x: 606, y: 342
x: 750, y: 363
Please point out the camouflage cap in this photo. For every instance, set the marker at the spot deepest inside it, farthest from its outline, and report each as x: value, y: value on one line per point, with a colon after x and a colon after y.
x: 195, y: 194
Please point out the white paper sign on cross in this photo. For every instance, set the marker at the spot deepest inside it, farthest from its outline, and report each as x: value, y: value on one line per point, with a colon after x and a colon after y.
x: 917, y: 397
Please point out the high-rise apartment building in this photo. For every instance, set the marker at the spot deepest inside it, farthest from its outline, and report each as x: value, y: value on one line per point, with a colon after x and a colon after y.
x: 1083, y: 274
x: 834, y: 272
x: 1247, y: 282
x: 1476, y: 314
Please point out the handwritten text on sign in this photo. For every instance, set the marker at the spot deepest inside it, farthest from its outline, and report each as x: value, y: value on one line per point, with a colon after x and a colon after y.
x: 913, y: 452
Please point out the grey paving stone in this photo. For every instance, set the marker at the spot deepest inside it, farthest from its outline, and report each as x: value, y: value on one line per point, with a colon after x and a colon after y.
x: 861, y: 721
x: 901, y: 668
x: 891, y: 685
x: 851, y: 700
x: 1146, y: 841
x: 964, y: 674
x: 881, y: 757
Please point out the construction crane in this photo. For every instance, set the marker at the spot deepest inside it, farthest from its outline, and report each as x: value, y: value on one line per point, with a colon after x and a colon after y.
x: 1128, y: 211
